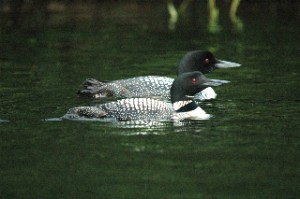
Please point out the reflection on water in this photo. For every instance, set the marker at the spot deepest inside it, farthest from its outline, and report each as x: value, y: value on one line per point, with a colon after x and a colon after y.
x: 175, y: 13
x: 236, y: 21
x: 213, y: 24
x: 142, y: 127
x: 213, y: 19
x: 41, y: 11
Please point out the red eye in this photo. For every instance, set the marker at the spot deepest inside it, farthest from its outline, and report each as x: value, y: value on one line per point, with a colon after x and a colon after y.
x: 194, y: 80
x: 206, y: 60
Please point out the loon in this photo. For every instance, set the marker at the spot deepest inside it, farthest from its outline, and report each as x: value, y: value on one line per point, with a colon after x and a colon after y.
x: 182, y: 105
x: 157, y: 86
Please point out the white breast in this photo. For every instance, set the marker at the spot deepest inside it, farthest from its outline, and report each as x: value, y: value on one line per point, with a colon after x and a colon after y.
x: 196, y: 114
x: 206, y: 94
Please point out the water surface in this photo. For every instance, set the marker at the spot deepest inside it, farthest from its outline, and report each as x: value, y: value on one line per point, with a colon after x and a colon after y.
x: 249, y: 149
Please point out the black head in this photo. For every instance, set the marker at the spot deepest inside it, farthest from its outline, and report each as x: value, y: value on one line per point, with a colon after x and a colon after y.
x: 188, y: 84
x: 203, y: 61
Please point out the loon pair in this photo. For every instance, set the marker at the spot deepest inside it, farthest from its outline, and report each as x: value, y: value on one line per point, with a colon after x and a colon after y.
x: 181, y: 92
x: 157, y: 86
x: 182, y: 105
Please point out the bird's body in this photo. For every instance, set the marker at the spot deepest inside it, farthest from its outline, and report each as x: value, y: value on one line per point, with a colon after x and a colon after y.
x: 156, y: 86
x: 181, y: 107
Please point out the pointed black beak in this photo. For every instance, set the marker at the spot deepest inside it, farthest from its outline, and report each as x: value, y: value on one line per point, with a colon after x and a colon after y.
x: 215, y: 82
x: 226, y: 64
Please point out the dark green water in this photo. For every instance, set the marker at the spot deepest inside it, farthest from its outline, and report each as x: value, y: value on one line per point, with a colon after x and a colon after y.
x: 250, y: 149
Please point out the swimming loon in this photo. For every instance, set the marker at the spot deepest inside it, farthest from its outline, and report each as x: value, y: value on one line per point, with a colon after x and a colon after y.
x: 182, y: 105
x: 157, y: 86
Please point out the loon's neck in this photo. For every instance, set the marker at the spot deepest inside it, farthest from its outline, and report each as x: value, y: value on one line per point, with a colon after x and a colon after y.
x: 188, y: 110
x: 184, y: 106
